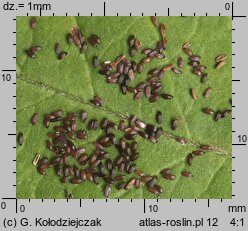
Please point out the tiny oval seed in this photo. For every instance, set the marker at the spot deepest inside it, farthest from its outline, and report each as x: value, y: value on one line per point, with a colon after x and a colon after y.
x: 186, y: 174
x: 208, y: 111
x: 220, y: 64
x: 33, y: 22
x: 208, y: 92
x: 20, y: 138
x: 34, y: 119
x: 36, y: 159
x: 193, y: 94
x: 158, y: 117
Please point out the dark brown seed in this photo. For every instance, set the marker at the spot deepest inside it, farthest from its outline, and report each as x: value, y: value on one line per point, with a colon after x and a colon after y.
x: 154, y: 20
x: 148, y: 91
x: 83, y: 159
x: 208, y: 111
x: 180, y: 62
x: 130, y: 184
x: 186, y: 174
x: 152, y: 181
x: 162, y: 30
x: 20, y: 138
x: 189, y: 159
x: 34, y: 119
x: 205, y: 147
x: 154, y: 98
x: 167, y: 96
x: 158, y: 117
x: 95, y: 61
x: 140, y: 68
x: 30, y: 54
x: 193, y: 93
x: 138, y: 95
x: 153, y: 190
x: 107, y: 190
x: 195, y: 58
x: 94, y: 40
x: 69, y: 38
x: 176, y: 71
x: 226, y: 113
x: 169, y: 176
x: 41, y: 171
x: 57, y: 48
x: 208, y: 92
x: 33, y: 23
x: 198, y: 152
x: 137, y: 183
x: 181, y: 140
x: 174, y: 124
x: 97, y: 101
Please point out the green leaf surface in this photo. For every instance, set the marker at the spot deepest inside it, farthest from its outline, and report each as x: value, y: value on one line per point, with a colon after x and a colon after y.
x: 46, y: 84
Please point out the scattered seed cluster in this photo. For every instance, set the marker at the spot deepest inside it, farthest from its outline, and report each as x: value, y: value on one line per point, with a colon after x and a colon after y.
x: 119, y: 172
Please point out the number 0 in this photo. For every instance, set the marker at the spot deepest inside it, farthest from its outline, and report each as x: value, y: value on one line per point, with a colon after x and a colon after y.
x: 227, y: 6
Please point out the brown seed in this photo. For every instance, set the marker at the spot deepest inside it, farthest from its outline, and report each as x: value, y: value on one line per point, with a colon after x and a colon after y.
x: 82, y: 134
x: 181, y: 140
x: 189, y: 159
x: 198, y: 152
x: 34, y: 119
x: 154, y: 20
x: 218, y: 116
x: 146, y: 60
x: 97, y: 101
x: 158, y: 117
x: 153, y: 190
x: 94, y: 40
x: 174, y: 124
x: 176, y: 71
x: 20, y: 138
x: 187, y: 51
x: 167, y: 67
x: 33, y: 23
x: 208, y: 111
x: 226, y: 113
x: 195, y: 58
x: 220, y: 64
x: 180, y: 62
x: 140, y: 68
x: 205, y: 147
x: 186, y: 174
x: 169, y: 176
x: 130, y: 184
x: 220, y: 58
x: 193, y: 93
x: 41, y: 171
x: 107, y: 190
x: 208, y: 92
x: 138, y: 96
x: 137, y: 183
